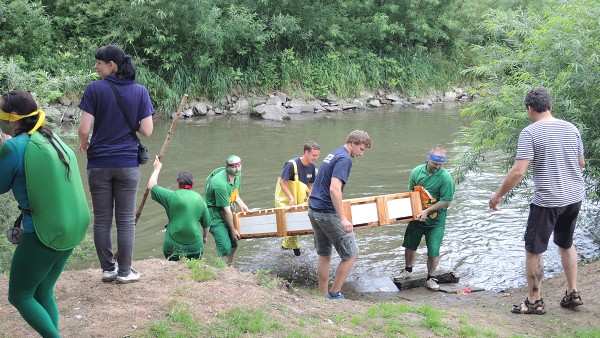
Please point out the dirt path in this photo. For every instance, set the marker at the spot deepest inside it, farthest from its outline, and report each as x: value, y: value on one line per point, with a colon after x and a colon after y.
x: 90, y: 308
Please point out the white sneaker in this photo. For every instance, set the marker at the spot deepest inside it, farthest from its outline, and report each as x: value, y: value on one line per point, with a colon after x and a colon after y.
x: 110, y: 276
x: 403, y: 275
x: 430, y: 284
x: 133, y: 276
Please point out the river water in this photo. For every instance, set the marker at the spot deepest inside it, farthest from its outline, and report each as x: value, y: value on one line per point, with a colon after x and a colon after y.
x: 485, y: 249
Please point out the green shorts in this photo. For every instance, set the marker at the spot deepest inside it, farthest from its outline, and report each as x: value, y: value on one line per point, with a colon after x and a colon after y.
x: 173, y: 250
x: 225, y: 243
x: 433, y: 237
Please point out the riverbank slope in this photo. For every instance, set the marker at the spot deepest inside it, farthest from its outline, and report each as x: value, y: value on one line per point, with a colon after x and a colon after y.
x: 168, y: 300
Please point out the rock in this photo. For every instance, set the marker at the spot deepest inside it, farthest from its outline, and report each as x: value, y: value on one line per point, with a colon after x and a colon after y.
x: 283, y: 96
x: 270, y: 112
x: 291, y: 111
x: 200, y: 109
x: 301, y: 105
x: 422, y: 107
x: 317, y: 105
x: 333, y: 108
x: 450, y: 96
x: 187, y: 113
x: 374, y: 103
x: 393, y: 97
x: 274, y: 100
x: 241, y: 106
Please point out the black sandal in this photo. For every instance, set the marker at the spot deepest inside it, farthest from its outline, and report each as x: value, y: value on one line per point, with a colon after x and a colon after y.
x: 537, y: 308
x: 571, y: 300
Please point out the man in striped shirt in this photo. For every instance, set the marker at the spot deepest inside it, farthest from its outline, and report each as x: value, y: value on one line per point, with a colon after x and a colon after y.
x: 554, y: 149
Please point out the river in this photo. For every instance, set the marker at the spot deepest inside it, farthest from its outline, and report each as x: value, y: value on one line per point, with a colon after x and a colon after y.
x: 484, y: 248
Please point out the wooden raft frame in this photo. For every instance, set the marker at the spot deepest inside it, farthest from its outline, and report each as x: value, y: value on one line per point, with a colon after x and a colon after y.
x: 365, y: 212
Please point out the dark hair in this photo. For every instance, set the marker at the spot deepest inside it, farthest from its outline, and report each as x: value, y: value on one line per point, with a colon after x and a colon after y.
x: 185, y: 178
x: 311, y: 145
x: 22, y: 103
x: 538, y: 99
x: 114, y: 53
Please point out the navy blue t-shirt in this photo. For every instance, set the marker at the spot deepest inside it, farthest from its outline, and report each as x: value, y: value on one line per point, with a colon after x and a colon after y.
x: 306, y: 174
x: 112, y: 144
x: 338, y: 165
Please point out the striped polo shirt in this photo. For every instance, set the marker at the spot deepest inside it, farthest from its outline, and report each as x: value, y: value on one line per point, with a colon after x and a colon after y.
x: 553, y: 147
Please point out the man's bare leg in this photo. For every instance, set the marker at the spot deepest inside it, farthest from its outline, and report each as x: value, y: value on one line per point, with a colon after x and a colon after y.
x: 409, y: 257
x: 230, y: 257
x: 534, y: 268
x: 569, y: 263
x: 342, y: 272
x: 323, y: 274
x: 432, y: 263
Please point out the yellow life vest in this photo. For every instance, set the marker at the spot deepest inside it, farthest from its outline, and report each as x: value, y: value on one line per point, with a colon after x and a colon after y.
x: 298, y: 189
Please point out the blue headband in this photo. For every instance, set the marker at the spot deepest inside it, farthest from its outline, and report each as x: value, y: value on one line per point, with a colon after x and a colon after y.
x: 437, y: 158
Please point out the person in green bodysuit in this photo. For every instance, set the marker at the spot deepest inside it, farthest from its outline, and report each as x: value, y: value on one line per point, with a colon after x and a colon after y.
x: 222, y: 192
x: 35, y: 267
x: 185, y: 209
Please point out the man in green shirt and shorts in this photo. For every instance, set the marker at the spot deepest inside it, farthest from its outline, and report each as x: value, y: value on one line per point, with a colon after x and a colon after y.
x: 436, y: 187
x: 222, y: 192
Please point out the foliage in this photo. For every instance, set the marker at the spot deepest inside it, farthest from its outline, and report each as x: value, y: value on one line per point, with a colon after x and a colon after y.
x: 8, y: 214
x: 209, y: 48
x: 26, y: 31
x: 45, y: 87
x: 553, y: 44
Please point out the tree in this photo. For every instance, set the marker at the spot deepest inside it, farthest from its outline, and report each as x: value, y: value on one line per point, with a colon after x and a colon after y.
x: 556, y: 47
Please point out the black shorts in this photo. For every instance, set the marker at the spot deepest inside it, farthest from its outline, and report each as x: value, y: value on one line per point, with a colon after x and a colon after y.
x: 543, y: 221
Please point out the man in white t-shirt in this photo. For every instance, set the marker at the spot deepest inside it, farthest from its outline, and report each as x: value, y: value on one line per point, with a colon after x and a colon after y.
x: 554, y: 149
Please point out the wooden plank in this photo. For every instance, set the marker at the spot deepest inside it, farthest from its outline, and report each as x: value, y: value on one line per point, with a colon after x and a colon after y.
x: 347, y: 210
x: 281, y: 222
x: 382, y: 212
x: 364, y: 212
x: 236, y: 221
x: 417, y: 207
x: 419, y: 280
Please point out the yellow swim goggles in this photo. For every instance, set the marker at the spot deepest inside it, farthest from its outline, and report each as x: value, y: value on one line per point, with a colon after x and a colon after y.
x: 14, y: 117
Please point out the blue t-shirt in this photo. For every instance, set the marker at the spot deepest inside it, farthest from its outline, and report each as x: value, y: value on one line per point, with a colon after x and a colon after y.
x: 338, y: 165
x: 306, y: 174
x: 12, y: 169
x: 112, y: 144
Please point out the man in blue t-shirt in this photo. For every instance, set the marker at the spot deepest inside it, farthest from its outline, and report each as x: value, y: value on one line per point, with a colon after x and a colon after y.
x: 327, y: 217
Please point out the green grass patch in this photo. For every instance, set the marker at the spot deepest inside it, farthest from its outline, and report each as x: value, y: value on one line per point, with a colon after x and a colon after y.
x: 240, y: 321
x: 387, y: 310
x: 265, y: 278
x: 199, y: 270
x: 178, y: 323
x: 587, y: 333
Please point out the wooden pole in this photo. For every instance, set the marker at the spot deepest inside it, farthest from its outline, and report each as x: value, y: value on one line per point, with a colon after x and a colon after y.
x: 162, y: 152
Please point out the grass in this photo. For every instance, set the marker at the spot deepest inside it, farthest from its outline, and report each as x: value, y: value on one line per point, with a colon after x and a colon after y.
x: 200, y: 271
x: 266, y: 279
x: 381, y: 320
